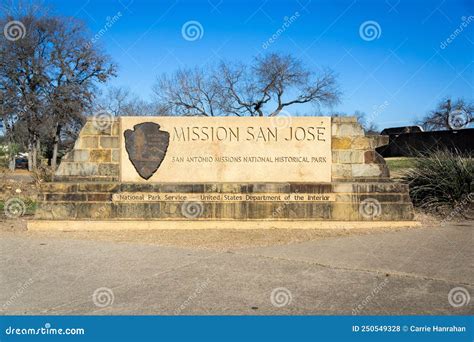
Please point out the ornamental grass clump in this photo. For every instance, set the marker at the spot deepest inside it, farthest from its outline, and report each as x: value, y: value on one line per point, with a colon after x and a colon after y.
x: 441, y: 181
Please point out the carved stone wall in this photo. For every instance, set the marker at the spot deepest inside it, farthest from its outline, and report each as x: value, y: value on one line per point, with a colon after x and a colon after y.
x: 96, y: 154
x: 353, y: 153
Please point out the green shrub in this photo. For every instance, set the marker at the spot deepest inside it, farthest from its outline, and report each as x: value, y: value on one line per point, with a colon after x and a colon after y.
x: 441, y: 181
x: 29, y: 204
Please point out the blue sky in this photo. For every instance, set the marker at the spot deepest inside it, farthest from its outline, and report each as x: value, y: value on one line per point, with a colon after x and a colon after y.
x: 395, y: 78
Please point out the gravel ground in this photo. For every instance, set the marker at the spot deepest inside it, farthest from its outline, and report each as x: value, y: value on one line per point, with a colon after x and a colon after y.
x: 407, y: 272
x: 210, y: 239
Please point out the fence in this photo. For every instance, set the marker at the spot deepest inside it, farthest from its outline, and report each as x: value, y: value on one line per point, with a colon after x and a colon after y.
x: 410, y: 144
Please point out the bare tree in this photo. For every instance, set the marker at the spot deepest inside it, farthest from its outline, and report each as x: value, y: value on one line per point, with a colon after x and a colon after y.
x: 264, y: 88
x: 48, y: 77
x: 114, y: 100
x: 240, y: 92
x: 120, y: 101
x: 189, y: 92
x: 449, y: 115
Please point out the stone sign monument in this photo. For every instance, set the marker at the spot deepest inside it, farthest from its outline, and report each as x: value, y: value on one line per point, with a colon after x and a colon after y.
x: 226, y: 172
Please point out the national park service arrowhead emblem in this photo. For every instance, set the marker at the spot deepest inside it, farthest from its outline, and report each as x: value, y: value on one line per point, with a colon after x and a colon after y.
x: 146, y: 146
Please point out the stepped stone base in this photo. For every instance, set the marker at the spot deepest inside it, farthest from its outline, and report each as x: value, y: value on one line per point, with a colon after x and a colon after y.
x: 348, y: 201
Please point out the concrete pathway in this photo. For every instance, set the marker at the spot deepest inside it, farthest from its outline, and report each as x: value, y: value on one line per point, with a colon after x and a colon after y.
x: 404, y: 272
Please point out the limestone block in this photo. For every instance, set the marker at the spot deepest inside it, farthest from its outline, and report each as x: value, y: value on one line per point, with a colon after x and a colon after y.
x: 380, y: 197
x: 341, y: 170
x: 108, y: 169
x: 77, y: 169
x: 362, y: 143
x: 344, y: 211
x: 46, y: 187
x: 344, y: 119
x: 101, y: 156
x: 69, y: 197
x: 307, y: 188
x: 376, y: 187
x: 369, y: 142
x: 341, y: 143
x: 116, y: 128
x: 109, y: 142
x: 99, y: 197
x: 144, y: 210
x: 347, y: 157
x: 371, y: 157
x: 96, y: 128
x: 320, y: 211
x: 55, y: 211
x: 42, y: 214
x: 367, y: 170
x: 98, y: 187
x: 115, y: 155
x: 213, y: 210
x: 87, y: 142
x: 261, y: 210
x: 347, y: 129
x: 78, y: 156
x: 138, y: 187
x: 94, y: 211
x: 341, y: 187
x: 380, y: 140
x: 397, y: 211
x: 229, y: 187
x: 386, y: 211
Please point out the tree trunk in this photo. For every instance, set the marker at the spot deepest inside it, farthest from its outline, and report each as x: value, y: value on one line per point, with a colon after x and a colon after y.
x: 30, y: 157
x: 38, y: 153
x: 55, y: 156
x: 33, y: 149
x: 56, y: 147
x: 33, y: 156
x: 11, y: 163
x: 11, y: 157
